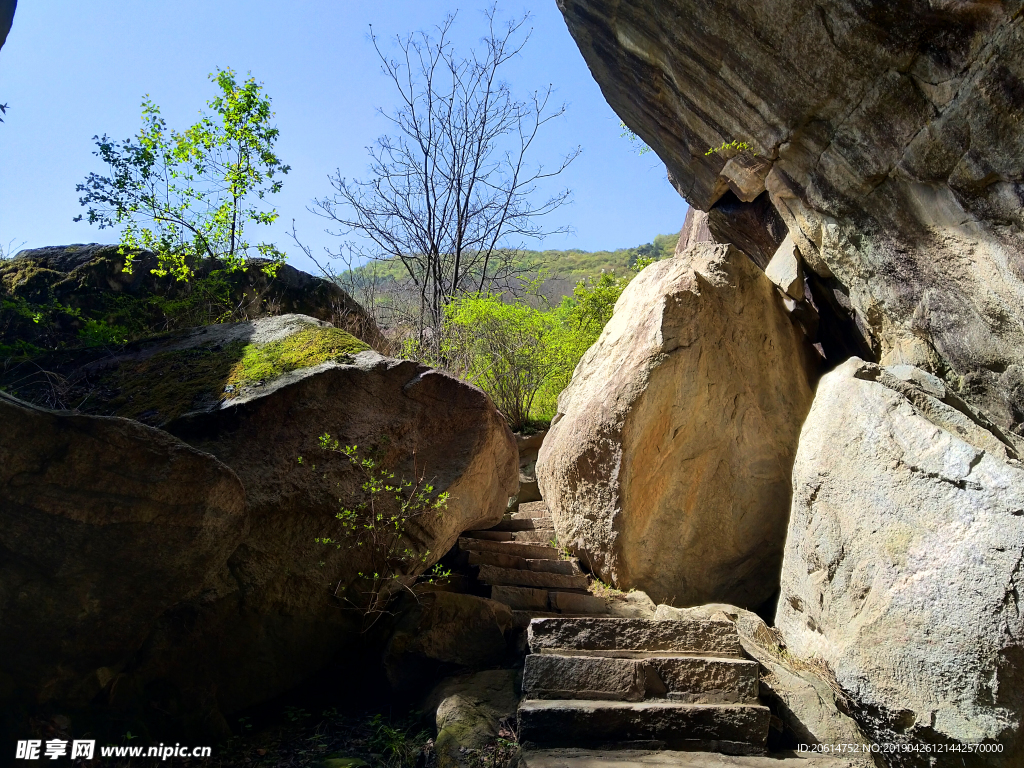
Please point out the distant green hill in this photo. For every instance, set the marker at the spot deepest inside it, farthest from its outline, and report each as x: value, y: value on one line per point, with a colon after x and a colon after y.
x: 562, y: 269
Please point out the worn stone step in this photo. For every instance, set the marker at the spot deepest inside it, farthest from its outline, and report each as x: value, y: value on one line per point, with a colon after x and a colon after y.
x: 537, y: 600
x: 584, y: 677
x: 573, y: 602
x: 535, y: 509
x: 686, y: 638
x: 522, y: 619
x: 539, y: 536
x: 520, y: 515
x: 514, y: 577
x: 729, y: 728
x: 525, y: 524
x: 521, y: 598
x: 692, y: 679
x: 518, y: 549
x: 511, y: 561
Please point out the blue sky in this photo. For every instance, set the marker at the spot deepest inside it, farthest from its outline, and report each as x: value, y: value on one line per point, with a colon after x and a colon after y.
x: 71, y: 70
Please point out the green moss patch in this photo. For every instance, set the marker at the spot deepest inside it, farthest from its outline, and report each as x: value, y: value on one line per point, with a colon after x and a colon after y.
x: 311, y: 346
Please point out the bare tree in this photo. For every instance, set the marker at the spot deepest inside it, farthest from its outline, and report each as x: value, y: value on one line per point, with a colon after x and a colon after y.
x: 451, y: 194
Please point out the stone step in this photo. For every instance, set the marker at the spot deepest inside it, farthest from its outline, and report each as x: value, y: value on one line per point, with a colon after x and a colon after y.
x: 519, y: 515
x: 515, y: 577
x: 518, y: 549
x: 525, y: 524
x: 684, y: 638
x: 535, y: 509
x: 543, y: 536
x: 554, y: 600
x: 729, y: 728
x: 573, y: 602
x: 511, y: 561
x: 689, y: 679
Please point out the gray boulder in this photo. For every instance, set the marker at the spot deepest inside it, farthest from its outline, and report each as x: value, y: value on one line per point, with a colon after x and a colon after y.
x: 903, y: 562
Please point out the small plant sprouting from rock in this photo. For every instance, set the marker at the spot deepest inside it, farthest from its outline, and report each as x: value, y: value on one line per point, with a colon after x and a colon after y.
x: 735, y: 146
x: 373, y: 529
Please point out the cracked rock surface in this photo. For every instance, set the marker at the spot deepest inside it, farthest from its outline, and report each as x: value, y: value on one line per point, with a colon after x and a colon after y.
x: 903, y: 562
x: 887, y: 136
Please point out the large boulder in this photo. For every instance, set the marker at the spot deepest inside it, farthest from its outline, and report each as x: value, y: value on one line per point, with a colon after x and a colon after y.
x: 105, y: 524
x: 904, y: 560
x: 268, y: 610
x: 887, y: 137
x: 667, y: 467
x: 80, y: 295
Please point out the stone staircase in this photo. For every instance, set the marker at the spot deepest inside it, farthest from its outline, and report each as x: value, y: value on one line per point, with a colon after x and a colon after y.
x: 524, y: 571
x: 611, y: 683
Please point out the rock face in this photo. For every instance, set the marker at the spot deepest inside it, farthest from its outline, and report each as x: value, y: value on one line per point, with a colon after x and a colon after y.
x: 105, y: 524
x: 667, y: 467
x: 260, y: 613
x: 904, y: 561
x: 886, y: 135
x: 446, y: 631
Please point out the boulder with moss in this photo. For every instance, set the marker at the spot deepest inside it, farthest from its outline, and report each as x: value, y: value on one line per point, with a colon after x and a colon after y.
x: 76, y: 296
x: 252, y: 398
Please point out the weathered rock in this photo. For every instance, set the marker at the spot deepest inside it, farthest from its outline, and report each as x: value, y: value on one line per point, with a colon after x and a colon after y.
x: 105, y: 524
x: 755, y: 227
x: 903, y: 562
x: 446, y: 631
x: 667, y: 467
x: 785, y: 271
x: 529, y: 446
x: 805, y: 705
x: 91, y: 281
x: 270, y: 612
x: 469, y: 711
x: 695, y: 230
x: 892, y: 133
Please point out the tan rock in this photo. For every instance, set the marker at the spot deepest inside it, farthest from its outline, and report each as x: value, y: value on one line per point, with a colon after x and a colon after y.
x: 784, y: 270
x: 667, y: 466
x: 895, y: 155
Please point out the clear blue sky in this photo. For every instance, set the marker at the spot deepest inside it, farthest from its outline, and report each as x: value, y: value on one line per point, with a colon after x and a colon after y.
x: 71, y: 70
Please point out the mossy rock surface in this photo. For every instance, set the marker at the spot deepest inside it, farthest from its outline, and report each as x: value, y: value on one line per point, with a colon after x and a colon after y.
x: 159, y: 380
x: 82, y: 296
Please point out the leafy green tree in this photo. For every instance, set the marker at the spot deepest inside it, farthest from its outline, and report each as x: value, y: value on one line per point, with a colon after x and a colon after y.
x: 189, y: 196
x: 504, y: 348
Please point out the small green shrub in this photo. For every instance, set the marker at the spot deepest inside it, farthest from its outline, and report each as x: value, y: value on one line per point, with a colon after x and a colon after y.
x: 373, y: 528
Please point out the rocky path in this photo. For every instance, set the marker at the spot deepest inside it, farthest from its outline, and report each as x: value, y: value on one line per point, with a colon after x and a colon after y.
x: 517, y: 560
x: 600, y: 682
